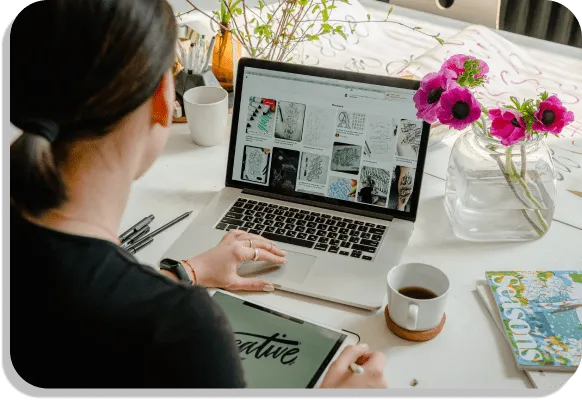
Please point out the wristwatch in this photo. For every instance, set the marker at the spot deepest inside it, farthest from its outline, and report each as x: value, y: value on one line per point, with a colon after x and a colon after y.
x: 176, y: 268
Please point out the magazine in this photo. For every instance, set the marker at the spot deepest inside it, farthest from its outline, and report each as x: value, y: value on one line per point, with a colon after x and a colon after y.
x: 541, y: 313
x: 539, y: 379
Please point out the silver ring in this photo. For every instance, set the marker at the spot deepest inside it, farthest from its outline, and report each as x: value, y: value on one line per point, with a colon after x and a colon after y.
x: 356, y: 369
x: 251, y: 244
x: 256, y: 255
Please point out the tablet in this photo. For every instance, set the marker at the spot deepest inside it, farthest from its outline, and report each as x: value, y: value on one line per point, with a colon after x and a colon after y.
x: 280, y: 350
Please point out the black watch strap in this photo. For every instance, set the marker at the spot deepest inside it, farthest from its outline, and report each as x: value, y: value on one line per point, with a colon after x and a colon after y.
x: 176, y: 268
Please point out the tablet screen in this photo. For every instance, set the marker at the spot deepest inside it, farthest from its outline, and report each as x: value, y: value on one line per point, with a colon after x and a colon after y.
x: 278, y: 351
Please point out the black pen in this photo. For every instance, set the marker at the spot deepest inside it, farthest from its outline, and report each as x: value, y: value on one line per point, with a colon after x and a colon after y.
x: 160, y: 230
x: 125, y: 235
x: 134, y: 250
x: 134, y: 237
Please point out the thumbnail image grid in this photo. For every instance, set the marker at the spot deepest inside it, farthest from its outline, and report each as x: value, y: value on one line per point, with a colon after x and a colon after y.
x: 409, y: 138
x: 261, y: 116
x: 255, y: 164
x: 374, y: 186
x: 346, y: 158
x: 342, y: 188
x: 402, y: 186
x: 313, y: 168
x: 290, y: 119
x: 284, y: 170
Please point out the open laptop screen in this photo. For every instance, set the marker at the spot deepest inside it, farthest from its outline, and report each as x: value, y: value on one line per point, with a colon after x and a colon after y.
x: 331, y: 140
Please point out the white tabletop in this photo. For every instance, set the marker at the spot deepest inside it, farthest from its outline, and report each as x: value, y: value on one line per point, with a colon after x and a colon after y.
x: 469, y: 353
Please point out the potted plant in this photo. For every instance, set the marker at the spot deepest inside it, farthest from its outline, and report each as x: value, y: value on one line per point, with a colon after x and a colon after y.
x: 501, y: 181
x: 277, y: 30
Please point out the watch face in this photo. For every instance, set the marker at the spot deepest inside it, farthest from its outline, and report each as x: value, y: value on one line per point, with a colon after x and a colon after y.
x: 168, y: 262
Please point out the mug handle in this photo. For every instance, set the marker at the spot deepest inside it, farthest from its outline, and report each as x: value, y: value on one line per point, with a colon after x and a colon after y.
x: 412, y: 317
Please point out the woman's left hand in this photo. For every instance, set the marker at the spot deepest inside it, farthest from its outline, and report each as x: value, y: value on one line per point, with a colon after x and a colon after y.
x: 218, y: 267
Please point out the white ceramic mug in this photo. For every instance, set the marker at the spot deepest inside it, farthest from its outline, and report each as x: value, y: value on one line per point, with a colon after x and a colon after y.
x: 207, y: 114
x: 415, y: 314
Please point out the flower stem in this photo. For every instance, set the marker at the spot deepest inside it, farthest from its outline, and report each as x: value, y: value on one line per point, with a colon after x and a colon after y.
x: 511, y: 170
x: 523, y: 163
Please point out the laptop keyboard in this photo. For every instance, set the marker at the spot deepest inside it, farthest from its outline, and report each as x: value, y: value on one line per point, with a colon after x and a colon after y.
x: 343, y: 236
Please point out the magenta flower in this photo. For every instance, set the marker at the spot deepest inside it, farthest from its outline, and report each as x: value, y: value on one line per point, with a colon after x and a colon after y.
x: 552, y: 116
x: 427, y: 98
x: 459, y: 108
x: 456, y: 64
x: 507, y: 125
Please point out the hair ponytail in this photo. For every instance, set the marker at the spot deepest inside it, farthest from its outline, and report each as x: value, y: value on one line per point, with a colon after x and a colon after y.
x: 99, y: 61
x: 35, y: 181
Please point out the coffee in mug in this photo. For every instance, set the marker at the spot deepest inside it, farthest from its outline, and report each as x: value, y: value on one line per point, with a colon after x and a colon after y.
x: 417, y: 295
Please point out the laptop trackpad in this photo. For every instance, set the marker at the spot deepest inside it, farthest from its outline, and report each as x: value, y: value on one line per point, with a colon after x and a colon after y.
x: 295, y: 270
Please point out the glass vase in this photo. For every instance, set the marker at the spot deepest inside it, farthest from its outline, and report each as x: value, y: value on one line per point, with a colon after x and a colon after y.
x: 499, y: 193
x: 225, y: 57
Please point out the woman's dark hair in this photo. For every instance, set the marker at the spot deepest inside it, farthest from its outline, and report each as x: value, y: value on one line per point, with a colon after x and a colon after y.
x: 77, y: 68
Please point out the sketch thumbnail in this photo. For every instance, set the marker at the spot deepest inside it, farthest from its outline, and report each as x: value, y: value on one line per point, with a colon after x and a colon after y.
x: 313, y: 168
x: 261, y: 116
x: 401, y: 189
x: 255, y: 164
x: 351, y: 120
x: 290, y: 118
x: 380, y: 139
x: 342, y: 188
x: 284, y: 170
x: 319, y: 127
x: 346, y: 158
x: 409, y: 137
x: 374, y: 186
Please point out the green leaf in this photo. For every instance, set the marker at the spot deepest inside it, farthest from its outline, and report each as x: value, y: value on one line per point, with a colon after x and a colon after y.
x: 303, y: 2
x: 369, y: 17
x: 238, y: 11
x: 544, y: 96
x: 331, y: 7
x: 315, y: 8
x: 485, y: 111
x: 390, y: 11
x: 417, y: 28
x: 326, y: 28
x: 325, y: 14
x: 342, y: 34
x: 441, y: 41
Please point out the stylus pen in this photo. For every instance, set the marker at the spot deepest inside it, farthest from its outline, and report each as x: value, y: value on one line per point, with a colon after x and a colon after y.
x: 128, y: 233
x: 159, y: 230
x: 135, y: 237
x: 134, y: 250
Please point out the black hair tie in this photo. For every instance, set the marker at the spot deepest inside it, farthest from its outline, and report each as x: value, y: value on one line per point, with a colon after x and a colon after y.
x: 46, y: 128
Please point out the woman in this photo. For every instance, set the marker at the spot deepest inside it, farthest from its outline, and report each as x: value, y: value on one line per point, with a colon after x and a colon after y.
x: 93, y: 99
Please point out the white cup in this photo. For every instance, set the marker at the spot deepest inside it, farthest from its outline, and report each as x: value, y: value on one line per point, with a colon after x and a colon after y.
x: 207, y: 114
x: 415, y: 314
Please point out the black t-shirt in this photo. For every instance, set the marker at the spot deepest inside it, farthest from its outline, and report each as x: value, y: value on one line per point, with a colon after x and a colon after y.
x: 86, y: 314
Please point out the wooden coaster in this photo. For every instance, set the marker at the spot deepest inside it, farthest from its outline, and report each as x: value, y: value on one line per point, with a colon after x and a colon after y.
x: 414, y: 336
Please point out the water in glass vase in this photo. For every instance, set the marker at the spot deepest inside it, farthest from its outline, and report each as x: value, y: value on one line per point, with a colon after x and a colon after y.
x: 498, y: 193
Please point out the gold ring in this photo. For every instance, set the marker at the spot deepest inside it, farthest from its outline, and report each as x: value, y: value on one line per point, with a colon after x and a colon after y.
x: 256, y: 255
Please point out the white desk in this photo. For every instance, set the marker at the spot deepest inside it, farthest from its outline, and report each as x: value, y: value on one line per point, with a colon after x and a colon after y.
x: 469, y: 353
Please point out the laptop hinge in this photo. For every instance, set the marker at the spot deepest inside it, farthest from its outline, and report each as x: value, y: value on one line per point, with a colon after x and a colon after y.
x: 318, y: 204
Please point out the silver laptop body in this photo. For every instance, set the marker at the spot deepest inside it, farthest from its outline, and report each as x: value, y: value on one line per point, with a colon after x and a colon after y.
x: 326, y: 163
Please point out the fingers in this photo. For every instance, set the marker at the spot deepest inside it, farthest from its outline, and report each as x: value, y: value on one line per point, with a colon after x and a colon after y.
x: 249, y: 254
x: 252, y: 285
x: 375, y: 362
x: 261, y: 243
x: 232, y: 235
x: 350, y: 355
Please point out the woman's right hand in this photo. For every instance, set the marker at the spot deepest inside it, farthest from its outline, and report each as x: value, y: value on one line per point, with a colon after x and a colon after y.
x: 339, y: 374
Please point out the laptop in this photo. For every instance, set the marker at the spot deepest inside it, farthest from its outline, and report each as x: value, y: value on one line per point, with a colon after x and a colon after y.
x: 328, y: 164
